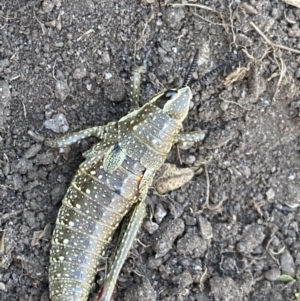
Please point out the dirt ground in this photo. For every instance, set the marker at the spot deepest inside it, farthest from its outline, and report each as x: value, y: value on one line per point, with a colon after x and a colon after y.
x: 71, y: 60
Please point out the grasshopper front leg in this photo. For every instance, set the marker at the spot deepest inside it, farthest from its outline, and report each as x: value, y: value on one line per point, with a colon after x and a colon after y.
x: 135, y: 85
x: 97, y: 131
x: 107, y: 133
x: 194, y: 136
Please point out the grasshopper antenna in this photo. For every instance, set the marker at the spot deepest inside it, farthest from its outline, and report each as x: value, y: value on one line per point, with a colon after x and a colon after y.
x: 192, y: 69
x: 233, y: 59
x: 211, y: 73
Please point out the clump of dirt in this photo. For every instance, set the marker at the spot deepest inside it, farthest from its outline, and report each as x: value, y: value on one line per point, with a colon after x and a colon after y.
x: 233, y: 230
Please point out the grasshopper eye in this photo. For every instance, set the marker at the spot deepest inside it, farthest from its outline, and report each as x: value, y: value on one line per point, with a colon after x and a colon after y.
x: 163, y: 99
x: 169, y: 94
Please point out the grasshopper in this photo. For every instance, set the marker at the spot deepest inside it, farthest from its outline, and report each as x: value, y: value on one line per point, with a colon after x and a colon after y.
x: 114, y: 177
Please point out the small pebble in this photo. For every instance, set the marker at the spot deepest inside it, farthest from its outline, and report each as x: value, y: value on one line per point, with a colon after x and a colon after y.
x: 205, y: 227
x: 114, y: 89
x: 189, y: 242
x: 108, y: 75
x: 249, y: 9
x: 272, y: 274
x: 2, y: 287
x: 190, y: 160
x: 4, y: 63
x: 35, y: 136
x: 173, y: 17
x: 21, y: 166
x: 166, y: 237
x: 190, y: 220
x: 141, y: 291
x: 184, y: 279
x: 59, y: 44
x: 150, y: 227
x: 17, y: 180
x: 79, y: 72
x: 44, y: 159
x: 176, y: 209
x: 57, y: 124
x: 47, y: 6
x: 29, y: 217
x: 160, y: 213
x: 253, y: 236
x: 32, y: 151
x: 159, y: 22
x: 270, y: 194
x: 62, y: 90
x: 105, y: 59
x: 287, y: 264
x: 294, y: 32
x: 58, y: 192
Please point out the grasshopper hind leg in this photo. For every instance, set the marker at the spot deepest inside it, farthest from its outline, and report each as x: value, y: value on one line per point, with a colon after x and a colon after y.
x: 130, y: 233
x: 135, y: 217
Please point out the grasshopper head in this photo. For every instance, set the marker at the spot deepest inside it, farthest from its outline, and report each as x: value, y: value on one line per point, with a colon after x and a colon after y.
x: 178, y: 103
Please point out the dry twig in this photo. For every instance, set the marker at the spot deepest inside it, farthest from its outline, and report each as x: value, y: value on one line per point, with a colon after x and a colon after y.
x: 198, y: 6
x: 273, y: 45
x: 41, y: 24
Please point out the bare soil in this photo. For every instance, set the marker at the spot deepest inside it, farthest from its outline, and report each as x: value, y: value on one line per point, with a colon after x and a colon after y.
x: 74, y: 58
